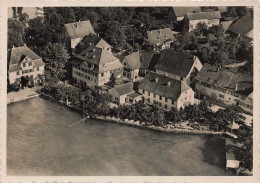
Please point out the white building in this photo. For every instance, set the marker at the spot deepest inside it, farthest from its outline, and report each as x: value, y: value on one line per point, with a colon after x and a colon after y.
x: 23, y: 62
x: 168, y: 93
x: 124, y: 93
x: 226, y: 87
x: 77, y: 31
x: 94, y: 67
x: 178, y: 65
x: 209, y: 18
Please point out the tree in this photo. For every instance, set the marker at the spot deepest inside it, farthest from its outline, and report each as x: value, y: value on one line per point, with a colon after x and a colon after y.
x: 217, y: 30
x: 112, y: 80
x: 15, y: 33
x: 56, y: 57
x: 201, y: 28
x: 210, y: 37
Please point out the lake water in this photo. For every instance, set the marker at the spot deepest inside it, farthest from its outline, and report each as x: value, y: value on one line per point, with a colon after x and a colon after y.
x: 40, y: 142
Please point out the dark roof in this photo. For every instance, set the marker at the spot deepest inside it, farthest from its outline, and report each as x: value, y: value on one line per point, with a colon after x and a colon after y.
x: 224, y: 78
x: 133, y: 60
x: 181, y: 11
x: 242, y: 26
x: 94, y: 40
x: 160, y: 87
x: 124, y: 89
x: 133, y: 95
x: 149, y: 60
x: 38, y: 63
x: 204, y: 15
x: 13, y: 68
x: 18, y: 53
x: 79, y: 29
x: 159, y: 36
x: 178, y: 63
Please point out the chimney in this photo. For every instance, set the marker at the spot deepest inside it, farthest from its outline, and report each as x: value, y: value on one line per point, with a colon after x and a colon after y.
x: 156, y: 80
x: 168, y: 83
x: 236, y: 86
x: 13, y: 46
x: 24, y: 44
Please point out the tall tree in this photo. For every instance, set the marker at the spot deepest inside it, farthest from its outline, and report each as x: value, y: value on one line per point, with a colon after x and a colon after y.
x: 56, y: 57
x: 15, y: 33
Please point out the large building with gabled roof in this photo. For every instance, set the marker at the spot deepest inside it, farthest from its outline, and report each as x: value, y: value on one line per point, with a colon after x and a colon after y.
x: 94, y: 66
x: 166, y: 92
x: 23, y: 62
x: 176, y: 14
x: 178, y: 65
x: 209, y: 18
x: 227, y: 87
x: 78, y: 30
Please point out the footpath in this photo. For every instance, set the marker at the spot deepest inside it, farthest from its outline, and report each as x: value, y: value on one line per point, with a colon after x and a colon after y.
x: 20, y: 95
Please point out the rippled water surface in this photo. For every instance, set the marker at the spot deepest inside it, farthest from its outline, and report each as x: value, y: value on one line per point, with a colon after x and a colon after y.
x: 40, y: 142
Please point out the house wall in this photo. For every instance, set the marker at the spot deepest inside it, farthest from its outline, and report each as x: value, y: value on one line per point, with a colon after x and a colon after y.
x: 116, y: 97
x: 13, y: 75
x: 226, y: 97
x: 151, y: 98
x: 84, y: 78
x: 210, y: 23
x: 170, y: 75
x: 186, y: 98
x: 136, y: 99
x: 75, y: 42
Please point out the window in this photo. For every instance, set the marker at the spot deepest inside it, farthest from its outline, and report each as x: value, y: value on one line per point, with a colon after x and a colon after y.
x: 102, y: 74
x: 143, y: 92
x: 17, y: 73
x: 242, y: 104
x: 243, y: 97
x: 165, y: 106
x: 24, y: 64
x: 172, y: 102
x: 181, y: 78
x: 221, y: 96
x: 160, y: 104
x: 154, y: 102
x: 148, y: 93
x: 160, y: 97
x: 148, y: 100
x: 30, y: 63
x: 37, y: 68
x: 31, y: 70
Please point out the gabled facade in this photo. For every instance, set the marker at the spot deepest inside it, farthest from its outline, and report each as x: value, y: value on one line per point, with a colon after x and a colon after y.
x: 179, y: 66
x: 23, y: 62
x: 209, y: 18
x: 77, y: 31
x: 226, y: 87
x: 160, y: 38
x: 131, y: 65
x: 168, y: 93
x: 94, y: 66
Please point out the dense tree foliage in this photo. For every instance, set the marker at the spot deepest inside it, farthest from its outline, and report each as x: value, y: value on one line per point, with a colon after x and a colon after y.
x: 15, y: 33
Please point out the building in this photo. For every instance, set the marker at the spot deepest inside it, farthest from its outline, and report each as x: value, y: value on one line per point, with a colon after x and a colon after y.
x: 90, y: 41
x: 148, y: 62
x: 161, y: 38
x: 243, y: 27
x: 23, y: 62
x: 124, y: 93
x: 167, y: 92
x: 177, y: 65
x: 131, y: 65
x: 209, y: 18
x: 94, y: 67
x: 232, y: 148
x: 77, y: 31
x: 32, y: 12
x: 176, y: 14
x: 226, y: 87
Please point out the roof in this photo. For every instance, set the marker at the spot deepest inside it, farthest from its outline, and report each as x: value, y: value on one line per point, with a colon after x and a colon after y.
x: 178, y: 63
x: 18, y: 53
x: 161, y: 88
x: 98, y: 56
x: 134, y: 95
x: 79, y: 29
x: 224, y: 78
x: 242, y: 26
x: 181, y: 11
x: 226, y: 24
x: 133, y: 60
x: 94, y: 40
x: 231, y: 149
x: 204, y: 15
x: 124, y: 89
x: 159, y: 36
